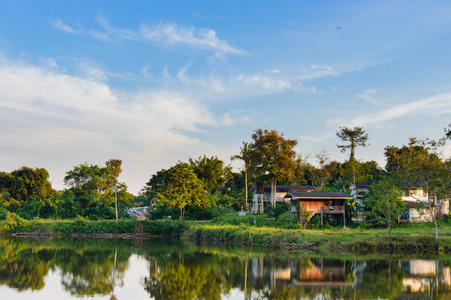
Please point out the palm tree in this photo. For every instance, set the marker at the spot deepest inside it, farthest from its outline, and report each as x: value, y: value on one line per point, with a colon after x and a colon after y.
x: 244, y: 156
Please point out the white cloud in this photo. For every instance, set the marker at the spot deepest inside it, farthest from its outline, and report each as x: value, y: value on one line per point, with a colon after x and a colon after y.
x: 60, y: 25
x: 431, y: 106
x: 164, y: 33
x: 237, y: 117
x: 276, y: 71
x: 302, y: 89
x: 119, y: 32
x: 315, y: 71
x: 367, y: 96
x: 262, y: 81
x: 60, y: 120
x: 172, y: 34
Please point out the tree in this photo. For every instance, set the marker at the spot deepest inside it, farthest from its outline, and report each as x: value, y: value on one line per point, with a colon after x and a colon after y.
x: 88, y: 177
x: 383, y: 204
x: 26, y: 182
x: 321, y: 175
x: 350, y: 204
x: 418, y: 164
x: 212, y: 171
x: 448, y: 132
x: 182, y: 188
x: 114, y: 167
x: 156, y: 184
x: 96, y: 188
x: 272, y: 157
x: 245, y: 157
x: 355, y: 136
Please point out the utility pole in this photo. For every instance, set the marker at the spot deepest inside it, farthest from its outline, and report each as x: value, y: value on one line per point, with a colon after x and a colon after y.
x: 115, y: 199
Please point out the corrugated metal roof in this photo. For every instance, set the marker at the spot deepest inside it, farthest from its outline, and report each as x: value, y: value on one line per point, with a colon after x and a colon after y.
x: 291, y: 187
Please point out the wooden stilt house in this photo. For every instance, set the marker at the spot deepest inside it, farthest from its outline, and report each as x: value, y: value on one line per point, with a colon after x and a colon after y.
x: 308, y: 204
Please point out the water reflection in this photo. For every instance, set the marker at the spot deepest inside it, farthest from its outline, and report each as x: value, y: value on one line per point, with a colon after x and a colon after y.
x: 186, y: 271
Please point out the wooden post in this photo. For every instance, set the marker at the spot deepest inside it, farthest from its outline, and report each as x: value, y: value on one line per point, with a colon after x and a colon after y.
x: 344, y: 219
x: 322, y: 215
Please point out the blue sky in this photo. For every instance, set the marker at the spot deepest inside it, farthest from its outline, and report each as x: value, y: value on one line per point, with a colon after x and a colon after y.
x: 155, y: 82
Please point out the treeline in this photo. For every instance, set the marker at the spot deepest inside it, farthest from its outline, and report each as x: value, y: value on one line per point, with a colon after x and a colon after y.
x: 202, y: 188
x: 27, y: 193
x: 207, y: 187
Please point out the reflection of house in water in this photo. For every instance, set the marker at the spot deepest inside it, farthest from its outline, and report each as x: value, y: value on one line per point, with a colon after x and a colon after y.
x: 300, y: 273
x: 322, y: 273
x: 422, y: 275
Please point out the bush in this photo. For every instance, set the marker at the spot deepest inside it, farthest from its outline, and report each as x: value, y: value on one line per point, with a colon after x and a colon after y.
x: 13, y: 221
x: 3, y: 214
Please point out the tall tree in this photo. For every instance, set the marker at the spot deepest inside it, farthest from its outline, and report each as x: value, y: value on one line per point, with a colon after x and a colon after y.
x: 272, y: 157
x: 183, y: 188
x: 418, y: 164
x: 246, y: 158
x: 355, y: 136
x: 114, y: 167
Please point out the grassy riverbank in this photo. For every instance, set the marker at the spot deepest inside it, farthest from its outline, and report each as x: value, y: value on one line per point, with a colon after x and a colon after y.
x: 410, y: 238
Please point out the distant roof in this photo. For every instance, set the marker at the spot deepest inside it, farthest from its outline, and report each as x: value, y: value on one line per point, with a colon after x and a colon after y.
x: 317, y: 195
x: 366, y: 183
x: 291, y: 187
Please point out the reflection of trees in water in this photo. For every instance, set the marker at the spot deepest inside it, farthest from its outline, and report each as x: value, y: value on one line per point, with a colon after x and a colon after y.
x: 180, y: 271
x: 86, y: 268
x: 186, y: 276
x: 91, y: 272
x: 21, y: 268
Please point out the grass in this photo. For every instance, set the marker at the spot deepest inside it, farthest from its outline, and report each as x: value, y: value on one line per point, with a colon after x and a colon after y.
x: 268, y: 232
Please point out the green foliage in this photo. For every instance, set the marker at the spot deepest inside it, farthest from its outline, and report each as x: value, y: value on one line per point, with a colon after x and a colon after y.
x: 23, y: 183
x: 350, y: 204
x: 383, y: 200
x: 13, y: 222
x: 281, y: 209
x: 3, y: 214
x: 212, y: 171
x: 182, y: 189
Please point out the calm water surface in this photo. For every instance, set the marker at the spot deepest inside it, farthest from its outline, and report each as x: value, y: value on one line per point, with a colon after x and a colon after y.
x: 157, y: 269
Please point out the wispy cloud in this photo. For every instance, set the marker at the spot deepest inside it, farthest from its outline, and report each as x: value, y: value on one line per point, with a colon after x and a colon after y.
x: 168, y: 34
x: 302, y: 89
x: 118, y: 32
x: 172, y: 34
x: 431, y: 106
x: 276, y: 71
x: 60, y: 25
x: 367, y: 95
x: 262, y: 81
x: 238, y: 117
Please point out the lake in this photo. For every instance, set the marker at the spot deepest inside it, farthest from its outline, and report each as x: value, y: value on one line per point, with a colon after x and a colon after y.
x: 159, y: 269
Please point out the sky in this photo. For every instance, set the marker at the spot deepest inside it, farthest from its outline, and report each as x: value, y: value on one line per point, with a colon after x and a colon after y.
x: 157, y: 82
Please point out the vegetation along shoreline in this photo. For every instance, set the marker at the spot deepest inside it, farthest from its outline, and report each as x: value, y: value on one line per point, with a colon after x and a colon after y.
x: 414, y: 238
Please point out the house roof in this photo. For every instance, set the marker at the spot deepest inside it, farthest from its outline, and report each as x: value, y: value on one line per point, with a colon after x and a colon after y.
x: 317, y: 195
x: 366, y: 184
x: 281, y: 188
